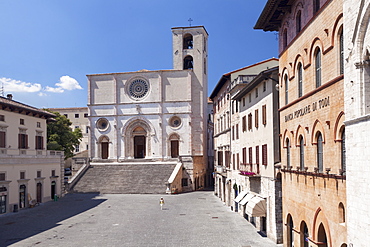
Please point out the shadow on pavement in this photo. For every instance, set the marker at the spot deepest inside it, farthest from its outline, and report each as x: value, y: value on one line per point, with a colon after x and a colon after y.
x: 15, y: 227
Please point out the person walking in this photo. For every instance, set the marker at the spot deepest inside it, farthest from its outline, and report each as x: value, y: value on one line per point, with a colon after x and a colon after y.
x: 161, y: 202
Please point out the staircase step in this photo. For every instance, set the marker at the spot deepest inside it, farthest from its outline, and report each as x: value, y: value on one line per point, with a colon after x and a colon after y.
x: 138, y: 178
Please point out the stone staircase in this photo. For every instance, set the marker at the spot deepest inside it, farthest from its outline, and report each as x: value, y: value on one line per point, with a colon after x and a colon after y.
x: 121, y: 178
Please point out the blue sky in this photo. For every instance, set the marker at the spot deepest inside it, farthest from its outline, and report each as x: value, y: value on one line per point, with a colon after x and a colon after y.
x: 48, y: 47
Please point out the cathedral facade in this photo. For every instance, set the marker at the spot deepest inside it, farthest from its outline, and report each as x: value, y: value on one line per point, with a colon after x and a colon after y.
x: 155, y: 116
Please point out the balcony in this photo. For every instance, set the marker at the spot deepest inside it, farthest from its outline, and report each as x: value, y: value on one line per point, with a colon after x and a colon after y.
x: 249, y: 169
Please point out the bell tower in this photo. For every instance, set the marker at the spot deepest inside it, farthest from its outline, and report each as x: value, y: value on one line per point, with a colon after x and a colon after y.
x: 190, y: 51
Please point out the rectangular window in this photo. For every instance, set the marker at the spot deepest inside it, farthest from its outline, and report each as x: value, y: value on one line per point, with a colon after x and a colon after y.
x: 22, y: 175
x: 256, y: 92
x: 264, y: 155
x: 22, y: 141
x: 87, y: 129
x: 77, y: 115
x: 2, y: 139
x: 39, y: 142
x: 250, y: 156
x: 264, y: 86
x: 236, y: 106
x: 256, y: 118
x: 77, y: 127
x: 232, y: 133
x: 85, y: 115
x: 243, y: 101
x: 257, y: 154
x: 2, y: 118
x: 264, y: 120
x: 21, y: 121
x: 53, y: 173
x: 184, y: 182
x: 38, y: 125
x: 77, y: 148
x: 2, y: 176
x: 237, y: 131
x: 249, y: 121
x: 38, y: 174
x: 66, y: 115
x: 235, y: 167
x: 244, y: 123
x: 237, y: 161
x: 250, y: 98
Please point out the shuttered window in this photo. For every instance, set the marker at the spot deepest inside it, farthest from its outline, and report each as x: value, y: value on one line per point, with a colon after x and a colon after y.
x: 264, y: 155
x: 2, y: 139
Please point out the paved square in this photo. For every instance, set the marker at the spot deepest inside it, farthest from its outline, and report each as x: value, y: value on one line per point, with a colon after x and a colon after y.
x: 191, y: 219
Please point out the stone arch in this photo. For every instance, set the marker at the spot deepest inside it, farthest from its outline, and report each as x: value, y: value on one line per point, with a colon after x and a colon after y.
x: 187, y: 41
x: 320, y: 222
x: 188, y: 62
x: 300, y: 132
x: 298, y: 59
x: 304, y: 234
x: 339, y: 127
x: 284, y: 73
x: 286, y: 135
x: 317, y: 127
x: 137, y: 126
x: 338, y: 25
x: 316, y: 43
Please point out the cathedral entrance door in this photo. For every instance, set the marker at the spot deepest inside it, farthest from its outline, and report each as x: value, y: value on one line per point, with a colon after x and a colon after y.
x: 104, y: 150
x: 174, y: 149
x: 139, y: 147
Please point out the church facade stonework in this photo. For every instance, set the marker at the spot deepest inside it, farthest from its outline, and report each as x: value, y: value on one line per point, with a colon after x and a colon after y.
x: 155, y: 116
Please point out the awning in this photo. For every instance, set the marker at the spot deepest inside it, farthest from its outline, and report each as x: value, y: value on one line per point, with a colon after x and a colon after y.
x: 256, y: 207
x: 246, y: 199
x: 240, y: 196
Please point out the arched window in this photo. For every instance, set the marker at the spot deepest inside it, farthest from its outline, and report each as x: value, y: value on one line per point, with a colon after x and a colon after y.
x: 288, y: 153
x: 290, y: 232
x: 188, y: 41
x: 342, y: 213
x: 298, y: 22
x: 301, y: 153
x: 318, y: 67
x: 304, y: 234
x: 300, y: 80
x: 188, y: 62
x: 285, y: 38
x: 316, y: 6
x: 343, y: 153
x: 321, y: 236
x: 286, y: 89
x: 341, y: 53
x: 320, y: 153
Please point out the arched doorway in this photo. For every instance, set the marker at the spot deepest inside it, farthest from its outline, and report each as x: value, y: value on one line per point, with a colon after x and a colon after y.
x: 139, y: 134
x: 290, y: 233
x: 174, y: 146
x: 22, y: 196
x: 53, y: 190
x: 321, y: 236
x: 104, y: 147
x: 39, y: 192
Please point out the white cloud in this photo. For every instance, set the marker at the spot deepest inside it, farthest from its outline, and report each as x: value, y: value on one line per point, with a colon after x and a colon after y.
x: 68, y: 83
x: 11, y: 85
x: 41, y: 94
x: 54, y: 89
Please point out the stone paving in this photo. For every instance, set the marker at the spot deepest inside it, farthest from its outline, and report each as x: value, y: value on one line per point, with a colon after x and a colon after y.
x: 191, y: 219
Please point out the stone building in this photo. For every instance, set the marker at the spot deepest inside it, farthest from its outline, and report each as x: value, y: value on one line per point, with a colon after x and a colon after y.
x: 356, y: 104
x: 29, y: 174
x: 259, y: 198
x: 156, y: 117
x: 311, y: 119
x: 234, y: 182
x: 78, y: 117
